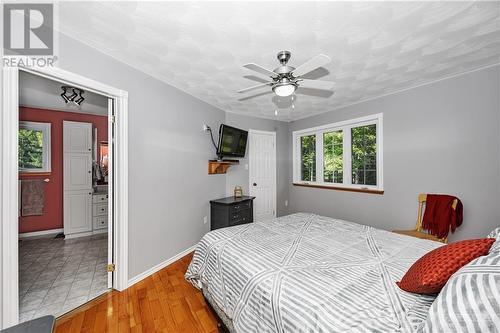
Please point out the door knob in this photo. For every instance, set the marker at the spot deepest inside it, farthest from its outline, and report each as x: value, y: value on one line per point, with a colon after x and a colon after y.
x: 254, y: 184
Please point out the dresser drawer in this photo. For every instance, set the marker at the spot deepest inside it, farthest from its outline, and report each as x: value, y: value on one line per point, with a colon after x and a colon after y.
x: 240, y: 217
x: 100, y: 198
x: 240, y: 206
x: 100, y: 209
x: 100, y: 222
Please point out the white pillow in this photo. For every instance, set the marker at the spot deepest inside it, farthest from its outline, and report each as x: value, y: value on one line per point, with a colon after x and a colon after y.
x: 495, y: 234
x: 470, y: 300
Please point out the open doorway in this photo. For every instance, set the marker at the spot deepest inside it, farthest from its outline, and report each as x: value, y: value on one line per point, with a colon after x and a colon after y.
x: 112, y: 242
x: 65, y: 224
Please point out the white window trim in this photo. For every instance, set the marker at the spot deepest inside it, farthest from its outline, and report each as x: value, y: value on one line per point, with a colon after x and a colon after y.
x: 345, y: 126
x: 45, y: 128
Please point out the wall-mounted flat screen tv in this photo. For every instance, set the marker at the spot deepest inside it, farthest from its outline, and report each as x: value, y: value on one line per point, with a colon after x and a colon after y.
x: 232, y: 141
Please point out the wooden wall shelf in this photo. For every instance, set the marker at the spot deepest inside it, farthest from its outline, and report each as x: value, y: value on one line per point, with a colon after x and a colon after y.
x: 219, y: 167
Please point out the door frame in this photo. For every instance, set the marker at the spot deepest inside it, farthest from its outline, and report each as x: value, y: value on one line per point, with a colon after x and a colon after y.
x: 9, y: 305
x: 275, y: 189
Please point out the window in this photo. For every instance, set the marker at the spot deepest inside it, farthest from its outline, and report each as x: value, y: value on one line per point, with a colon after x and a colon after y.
x: 347, y: 154
x: 34, y: 147
x: 308, y: 157
x: 333, y: 157
x: 364, y: 155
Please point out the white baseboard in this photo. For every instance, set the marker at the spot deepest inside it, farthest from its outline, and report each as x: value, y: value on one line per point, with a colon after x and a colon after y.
x: 158, y: 267
x: 87, y: 233
x: 100, y: 231
x: 40, y: 233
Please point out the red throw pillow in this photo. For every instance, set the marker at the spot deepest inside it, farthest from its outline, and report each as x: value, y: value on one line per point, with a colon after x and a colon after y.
x: 429, y: 274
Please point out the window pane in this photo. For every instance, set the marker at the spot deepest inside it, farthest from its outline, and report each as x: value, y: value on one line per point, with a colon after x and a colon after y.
x: 308, y: 158
x: 364, y: 155
x: 30, y: 149
x: 333, y: 157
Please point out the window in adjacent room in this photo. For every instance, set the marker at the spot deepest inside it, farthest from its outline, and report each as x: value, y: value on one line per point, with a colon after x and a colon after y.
x: 347, y: 154
x: 34, y: 147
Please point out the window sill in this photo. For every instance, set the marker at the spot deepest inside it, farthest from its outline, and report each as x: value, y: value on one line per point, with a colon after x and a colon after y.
x: 341, y: 188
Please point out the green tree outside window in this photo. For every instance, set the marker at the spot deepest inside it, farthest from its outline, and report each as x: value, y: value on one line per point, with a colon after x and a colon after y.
x: 364, y: 155
x: 308, y: 158
x: 333, y: 161
x: 30, y: 149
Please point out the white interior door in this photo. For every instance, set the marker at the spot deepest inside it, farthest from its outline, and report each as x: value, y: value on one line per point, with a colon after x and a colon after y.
x: 77, y: 180
x: 262, y: 173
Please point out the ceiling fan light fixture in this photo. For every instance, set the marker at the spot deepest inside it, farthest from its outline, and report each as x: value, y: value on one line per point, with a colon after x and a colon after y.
x: 284, y: 89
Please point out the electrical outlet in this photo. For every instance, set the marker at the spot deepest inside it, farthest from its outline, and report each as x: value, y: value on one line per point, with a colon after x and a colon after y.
x: 205, y: 219
x: 205, y: 127
x: 286, y: 203
x: 246, y: 166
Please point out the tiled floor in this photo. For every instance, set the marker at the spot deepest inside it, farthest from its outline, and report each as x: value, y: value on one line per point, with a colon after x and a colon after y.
x: 58, y: 275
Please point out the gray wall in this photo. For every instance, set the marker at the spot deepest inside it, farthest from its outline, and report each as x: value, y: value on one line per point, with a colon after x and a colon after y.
x: 238, y: 174
x: 168, y: 152
x: 438, y: 138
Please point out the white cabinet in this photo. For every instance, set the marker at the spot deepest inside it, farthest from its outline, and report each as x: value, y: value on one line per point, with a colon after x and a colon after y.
x: 77, y: 171
x: 77, y: 137
x: 100, y: 212
x: 77, y: 212
x: 77, y: 179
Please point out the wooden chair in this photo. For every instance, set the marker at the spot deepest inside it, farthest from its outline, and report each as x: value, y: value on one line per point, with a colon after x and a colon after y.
x: 418, y: 231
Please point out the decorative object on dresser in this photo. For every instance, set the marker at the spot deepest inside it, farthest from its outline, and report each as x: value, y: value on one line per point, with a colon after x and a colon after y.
x: 238, y: 191
x: 444, y: 207
x: 231, y: 211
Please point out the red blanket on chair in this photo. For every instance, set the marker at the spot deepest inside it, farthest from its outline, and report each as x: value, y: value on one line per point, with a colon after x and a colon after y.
x: 440, y: 217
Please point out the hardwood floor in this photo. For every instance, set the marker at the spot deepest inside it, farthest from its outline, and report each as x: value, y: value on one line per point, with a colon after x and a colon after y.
x: 163, y: 302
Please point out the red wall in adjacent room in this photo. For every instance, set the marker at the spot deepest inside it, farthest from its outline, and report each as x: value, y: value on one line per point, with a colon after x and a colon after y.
x: 52, y: 217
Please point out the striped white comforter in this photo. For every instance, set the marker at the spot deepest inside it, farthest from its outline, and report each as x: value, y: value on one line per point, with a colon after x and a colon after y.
x: 308, y: 273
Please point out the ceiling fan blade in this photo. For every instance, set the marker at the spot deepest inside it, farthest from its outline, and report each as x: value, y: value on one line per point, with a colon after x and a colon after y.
x: 311, y: 65
x: 255, y: 96
x: 316, y: 84
x: 260, y: 69
x: 254, y: 87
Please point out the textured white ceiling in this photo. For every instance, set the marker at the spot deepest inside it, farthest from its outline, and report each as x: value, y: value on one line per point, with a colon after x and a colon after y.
x: 377, y: 47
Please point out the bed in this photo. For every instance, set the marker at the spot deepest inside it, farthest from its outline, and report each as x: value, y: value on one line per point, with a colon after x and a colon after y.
x: 309, y: 273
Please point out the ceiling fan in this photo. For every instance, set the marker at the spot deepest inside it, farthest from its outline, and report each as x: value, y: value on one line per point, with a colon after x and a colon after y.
x: 286, y: 79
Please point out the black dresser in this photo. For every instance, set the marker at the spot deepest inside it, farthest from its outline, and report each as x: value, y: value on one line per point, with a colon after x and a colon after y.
x: 230, y: 211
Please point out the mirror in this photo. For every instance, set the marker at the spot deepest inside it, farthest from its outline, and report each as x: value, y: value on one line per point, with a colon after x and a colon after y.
x: 103, y: 159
